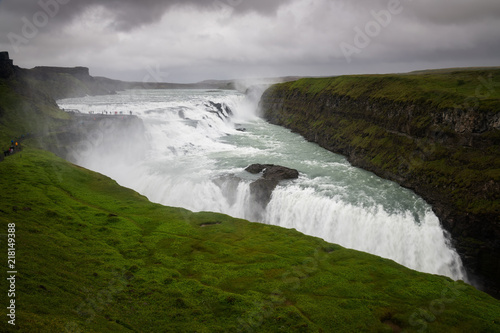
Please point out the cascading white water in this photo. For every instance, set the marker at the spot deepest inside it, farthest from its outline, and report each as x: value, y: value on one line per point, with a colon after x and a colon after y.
x: 192, y: 155
x: 373, y: 230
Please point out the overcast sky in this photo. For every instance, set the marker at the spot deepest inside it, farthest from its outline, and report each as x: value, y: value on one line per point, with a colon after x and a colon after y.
x: 194, y: 40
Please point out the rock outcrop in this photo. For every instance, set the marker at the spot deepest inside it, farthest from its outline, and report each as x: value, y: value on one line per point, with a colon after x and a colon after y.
x: 81, y: 73
x: 65, y: 82
x: 449, y: 155
x: 7, y: 67
x: 220, y: 109
x: 273, y: 172
x: 262, y: 189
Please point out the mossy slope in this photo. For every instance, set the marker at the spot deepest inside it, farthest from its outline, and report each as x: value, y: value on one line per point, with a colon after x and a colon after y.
x: 93, y: 256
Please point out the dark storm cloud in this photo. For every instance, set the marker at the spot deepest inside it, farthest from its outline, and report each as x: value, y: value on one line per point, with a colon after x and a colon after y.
x: 201, y: 39
x: 456, y: 11
x: 440, y: 12
x: 128, y: 14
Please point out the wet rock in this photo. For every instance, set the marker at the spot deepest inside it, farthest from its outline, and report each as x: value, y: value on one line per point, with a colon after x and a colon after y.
x: 220, y: 109
x: 262, y: 189
x: 273, y: 172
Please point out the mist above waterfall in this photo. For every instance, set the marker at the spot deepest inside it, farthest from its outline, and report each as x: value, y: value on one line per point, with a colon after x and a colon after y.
x: 193, y: 148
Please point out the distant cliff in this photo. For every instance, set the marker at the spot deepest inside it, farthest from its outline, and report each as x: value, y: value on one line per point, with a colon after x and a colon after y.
x: 81, y: 73
x: 6, y: 65
x: 67, y: 82
x: 437, y: 133
x: 64, y: 82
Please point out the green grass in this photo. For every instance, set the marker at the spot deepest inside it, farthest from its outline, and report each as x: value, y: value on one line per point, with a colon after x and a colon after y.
x: 444, y: 89
x: 94, y: 256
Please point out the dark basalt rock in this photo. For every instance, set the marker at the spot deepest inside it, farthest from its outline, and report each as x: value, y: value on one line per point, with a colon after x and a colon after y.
x: 7, y: 67
x: 261, y: 191
x: 273, y: 172
x: 220, y: 109
x: 262, y: 188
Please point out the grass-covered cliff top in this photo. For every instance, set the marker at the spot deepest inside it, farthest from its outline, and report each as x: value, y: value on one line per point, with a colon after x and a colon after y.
x: 454, y: 88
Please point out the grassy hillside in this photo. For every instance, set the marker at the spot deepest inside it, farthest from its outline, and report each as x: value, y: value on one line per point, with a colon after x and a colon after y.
x: 93, y: 256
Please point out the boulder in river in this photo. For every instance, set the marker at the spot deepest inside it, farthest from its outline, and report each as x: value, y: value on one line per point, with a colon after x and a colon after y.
x: 273, y: 172
x: 262, y: 188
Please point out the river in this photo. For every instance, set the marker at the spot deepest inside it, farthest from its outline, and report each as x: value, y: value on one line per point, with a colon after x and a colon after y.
x: 192, y: 153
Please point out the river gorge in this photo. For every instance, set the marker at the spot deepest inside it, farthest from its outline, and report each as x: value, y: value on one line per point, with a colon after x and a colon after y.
x: 191, y: 147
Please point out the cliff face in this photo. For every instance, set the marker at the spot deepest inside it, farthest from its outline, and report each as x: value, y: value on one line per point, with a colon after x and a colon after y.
x: 448, y: 153
x: 58, y: 82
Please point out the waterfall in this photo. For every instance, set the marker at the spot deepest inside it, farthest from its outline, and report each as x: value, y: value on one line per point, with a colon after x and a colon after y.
x: 196, y: 145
